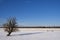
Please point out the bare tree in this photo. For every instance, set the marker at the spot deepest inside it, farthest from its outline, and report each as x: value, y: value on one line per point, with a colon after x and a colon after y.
x: 11, y: 25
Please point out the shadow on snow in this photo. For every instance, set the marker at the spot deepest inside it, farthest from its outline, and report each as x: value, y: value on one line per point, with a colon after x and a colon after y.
x: 26, y: 34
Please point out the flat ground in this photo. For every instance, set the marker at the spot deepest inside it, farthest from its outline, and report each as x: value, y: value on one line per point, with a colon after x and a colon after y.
x: 32, y: 34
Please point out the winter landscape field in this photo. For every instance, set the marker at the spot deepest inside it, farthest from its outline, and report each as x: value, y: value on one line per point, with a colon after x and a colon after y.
x: 32, y: 34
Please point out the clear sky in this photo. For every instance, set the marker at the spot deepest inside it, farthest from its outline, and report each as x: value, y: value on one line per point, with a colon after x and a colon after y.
x: 31, y: 12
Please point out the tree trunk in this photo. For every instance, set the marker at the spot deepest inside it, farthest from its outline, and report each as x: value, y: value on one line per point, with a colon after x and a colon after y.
x: 10, y: 31
x: 9, y: 34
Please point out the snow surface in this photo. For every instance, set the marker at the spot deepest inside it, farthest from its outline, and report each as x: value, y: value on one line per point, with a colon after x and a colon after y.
x: 30, y: 35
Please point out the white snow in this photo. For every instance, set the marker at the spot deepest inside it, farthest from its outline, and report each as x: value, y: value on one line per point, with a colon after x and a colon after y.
x: 30, y: 35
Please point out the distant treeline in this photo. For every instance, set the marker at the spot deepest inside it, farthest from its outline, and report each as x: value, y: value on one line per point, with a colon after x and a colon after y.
x: 35, y: 27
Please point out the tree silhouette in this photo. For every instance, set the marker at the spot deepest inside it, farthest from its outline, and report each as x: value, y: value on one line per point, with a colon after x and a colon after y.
x: 11, y: 25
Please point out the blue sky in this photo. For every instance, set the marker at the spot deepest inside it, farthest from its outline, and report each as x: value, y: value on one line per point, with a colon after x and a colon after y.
x: 31, y: 12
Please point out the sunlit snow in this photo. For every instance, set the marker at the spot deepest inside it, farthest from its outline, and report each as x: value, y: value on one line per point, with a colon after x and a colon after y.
x: 30, y: 35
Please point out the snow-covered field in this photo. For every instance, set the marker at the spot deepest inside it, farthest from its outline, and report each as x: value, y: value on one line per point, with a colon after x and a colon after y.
x: 32, y: 34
